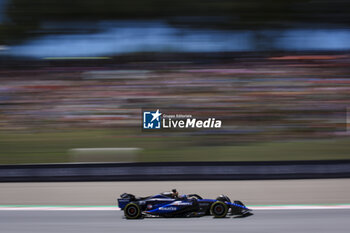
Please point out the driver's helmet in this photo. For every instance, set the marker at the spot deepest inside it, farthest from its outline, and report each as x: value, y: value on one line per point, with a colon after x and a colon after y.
x: 174, y: 193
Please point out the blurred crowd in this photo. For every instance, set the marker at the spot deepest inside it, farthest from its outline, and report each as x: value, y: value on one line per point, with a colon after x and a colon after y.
x: 257, y: 98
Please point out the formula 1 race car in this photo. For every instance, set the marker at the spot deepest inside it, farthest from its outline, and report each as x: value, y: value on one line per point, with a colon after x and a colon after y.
x: 170, y: 204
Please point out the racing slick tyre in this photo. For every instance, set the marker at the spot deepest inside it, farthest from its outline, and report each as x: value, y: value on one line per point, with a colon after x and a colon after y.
x: 132, y: 211
x: 219, y: 209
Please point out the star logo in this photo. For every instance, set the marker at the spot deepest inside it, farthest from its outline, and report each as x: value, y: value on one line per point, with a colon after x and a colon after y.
x: 156, y: 115
x: 151, y: 120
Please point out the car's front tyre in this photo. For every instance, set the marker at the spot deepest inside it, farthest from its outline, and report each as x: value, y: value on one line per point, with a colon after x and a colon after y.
x: 219, y: 209
x: 132, y: 211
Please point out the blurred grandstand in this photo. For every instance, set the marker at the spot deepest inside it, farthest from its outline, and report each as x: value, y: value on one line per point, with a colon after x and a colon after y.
x: 281, y: 87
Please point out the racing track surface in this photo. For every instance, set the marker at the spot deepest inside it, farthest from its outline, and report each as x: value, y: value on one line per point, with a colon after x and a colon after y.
x: 269, y: 221
x: 251, y: 192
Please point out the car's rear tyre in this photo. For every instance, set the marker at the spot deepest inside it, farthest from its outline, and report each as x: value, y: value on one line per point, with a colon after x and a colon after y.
x: 219, y: 209
x: 132, y: 211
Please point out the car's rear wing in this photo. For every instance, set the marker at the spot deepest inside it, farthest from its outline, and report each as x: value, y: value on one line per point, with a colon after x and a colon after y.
x: 123, y: 202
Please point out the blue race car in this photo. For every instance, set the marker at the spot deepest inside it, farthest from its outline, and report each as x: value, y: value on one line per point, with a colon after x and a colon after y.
x: 170, y: 204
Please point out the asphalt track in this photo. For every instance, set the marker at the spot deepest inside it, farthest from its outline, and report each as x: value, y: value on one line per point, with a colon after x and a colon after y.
x: 251, y: 192
x: 269, y: 221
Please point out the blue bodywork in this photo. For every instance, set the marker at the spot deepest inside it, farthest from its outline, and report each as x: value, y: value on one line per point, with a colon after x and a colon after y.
x: 186, y: 205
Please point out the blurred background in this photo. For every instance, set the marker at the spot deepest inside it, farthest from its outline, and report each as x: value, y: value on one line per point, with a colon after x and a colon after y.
x: 75, y: 75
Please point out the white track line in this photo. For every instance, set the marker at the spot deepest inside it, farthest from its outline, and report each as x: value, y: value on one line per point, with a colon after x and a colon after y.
x: 111, y: 208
